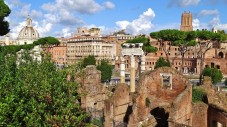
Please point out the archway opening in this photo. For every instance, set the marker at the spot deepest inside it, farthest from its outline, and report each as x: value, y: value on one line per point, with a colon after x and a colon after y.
x: 161, y: 116
x: 221, y: 55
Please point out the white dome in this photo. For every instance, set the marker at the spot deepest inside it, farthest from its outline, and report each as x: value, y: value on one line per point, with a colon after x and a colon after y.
x: 28, y: 34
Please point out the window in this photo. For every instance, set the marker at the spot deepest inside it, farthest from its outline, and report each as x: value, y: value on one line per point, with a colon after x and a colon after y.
x: 166, y: 80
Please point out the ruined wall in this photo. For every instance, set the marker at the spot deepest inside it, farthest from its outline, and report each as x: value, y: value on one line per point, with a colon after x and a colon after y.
x: 175, y: 100
x: 116, y: 106
x: 93, y: 92
x: 199, y: 115
x: 181, y: 110
x: 217, y: 102
x: 216, y: 116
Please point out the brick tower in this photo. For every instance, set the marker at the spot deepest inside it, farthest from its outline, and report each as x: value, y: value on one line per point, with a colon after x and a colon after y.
x: 186, y: 22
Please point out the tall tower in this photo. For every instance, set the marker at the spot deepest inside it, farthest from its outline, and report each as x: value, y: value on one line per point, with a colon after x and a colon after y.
x: 186, y: 22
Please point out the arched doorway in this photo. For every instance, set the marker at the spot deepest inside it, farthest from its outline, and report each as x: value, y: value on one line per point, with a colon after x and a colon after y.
x: 220, y: 55
x: 161, y: 116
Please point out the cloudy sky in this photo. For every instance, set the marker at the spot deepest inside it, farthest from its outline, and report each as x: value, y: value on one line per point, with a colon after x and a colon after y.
x: 60, y: 18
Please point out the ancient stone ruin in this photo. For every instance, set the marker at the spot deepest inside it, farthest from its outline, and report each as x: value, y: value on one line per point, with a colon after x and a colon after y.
x: 164, y: 95
x: 162, y: 98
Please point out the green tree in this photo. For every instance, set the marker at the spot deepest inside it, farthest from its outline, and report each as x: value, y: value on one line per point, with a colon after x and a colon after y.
x: 90, y: 60
x: 166, y: 38
x: 161, y: 62
x: 106, y: 70
x: 147, y: 48
x: 215, y: 74
x: 4, y: 12
x: 205, y: 41
x: 184, y: 42
x: 37, y: 94
x: 47, y: 41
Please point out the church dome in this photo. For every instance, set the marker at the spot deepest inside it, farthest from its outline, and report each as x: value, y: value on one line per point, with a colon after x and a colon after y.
x: 27, y: 34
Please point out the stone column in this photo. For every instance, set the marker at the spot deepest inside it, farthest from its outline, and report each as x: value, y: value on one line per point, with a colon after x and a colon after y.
x: 142, y: 63
x: 132, y: 74
x: 122, y: 69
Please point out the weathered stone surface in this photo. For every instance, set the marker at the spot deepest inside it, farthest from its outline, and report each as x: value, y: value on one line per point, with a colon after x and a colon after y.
x: 116, y: 106
x: 199, y: 115
x: 176, y: 101
x: 217, y: 102
x: 94, y: 93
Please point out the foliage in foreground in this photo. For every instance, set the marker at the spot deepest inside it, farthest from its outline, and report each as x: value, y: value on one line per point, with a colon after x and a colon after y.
x: 198, y: 95
x: 161, y: 62
x: 214, y: 73
x: 37, y: 94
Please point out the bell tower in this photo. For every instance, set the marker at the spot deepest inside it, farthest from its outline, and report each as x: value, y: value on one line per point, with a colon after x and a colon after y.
x: 186, y: 22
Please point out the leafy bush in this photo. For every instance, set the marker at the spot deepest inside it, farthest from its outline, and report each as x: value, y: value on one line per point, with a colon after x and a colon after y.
x: 198, y: 95
x: 37, y: 94
x: 106, y: 70
x: 97, y: 122
x: 215, y: 74
x: 161, y: 62
x: 146, y: 44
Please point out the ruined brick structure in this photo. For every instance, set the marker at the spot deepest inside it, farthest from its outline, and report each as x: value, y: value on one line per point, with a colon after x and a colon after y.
x: 93, y: 92
x: 163, y: 97
x: 217, y: 102
x: 165, y: 100
x: 116, y: 106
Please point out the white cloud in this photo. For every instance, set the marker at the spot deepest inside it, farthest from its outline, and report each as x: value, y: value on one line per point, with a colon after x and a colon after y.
x: 44, y: 28
x: 109, y: 5
x: 208, y: 13
x: 186, y: 3
x: 222, y: 27
x: 183, y: 3
x: 196, y: 24
x: 15, y: 31
x: 81, y: 6
x: 122, y: 24
x: 167, y: 26
x: 141, y: 25
x: 66, y: 32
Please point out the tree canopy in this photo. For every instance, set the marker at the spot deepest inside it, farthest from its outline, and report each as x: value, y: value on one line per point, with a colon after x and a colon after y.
x: 161, y: 62
x: 37, y: 94
x: 106, y: 70
x: 146, y: 44
x: 104, y: 66
x: 4, y: 12
x: 176, y: 37
x: 47, y: 40
x: 13, y: 49
x: 90, y: 60
x: 214, y: 73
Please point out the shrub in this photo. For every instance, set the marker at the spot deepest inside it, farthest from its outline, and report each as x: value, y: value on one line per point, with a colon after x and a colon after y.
x: 198, y: 95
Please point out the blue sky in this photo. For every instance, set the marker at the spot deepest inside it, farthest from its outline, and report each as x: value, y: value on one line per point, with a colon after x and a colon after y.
x: 60, y: 18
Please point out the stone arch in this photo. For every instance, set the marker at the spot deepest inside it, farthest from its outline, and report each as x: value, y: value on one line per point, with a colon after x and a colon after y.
x: 220, y: 55
x: 161, y: 116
